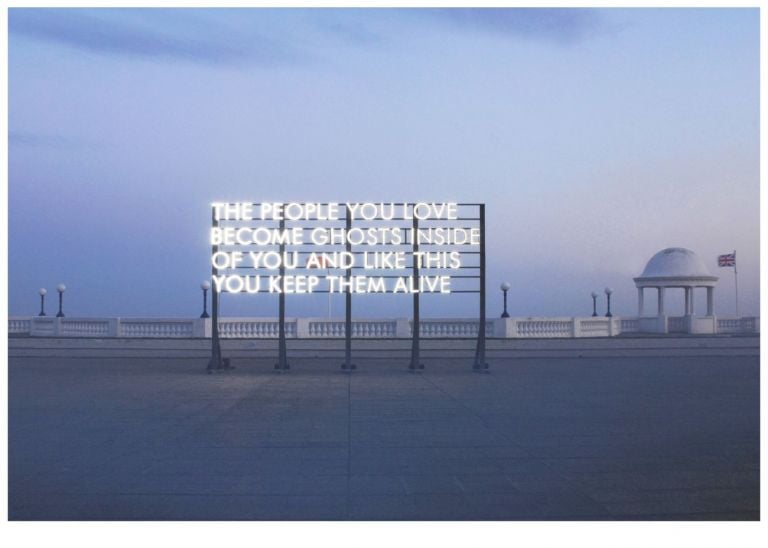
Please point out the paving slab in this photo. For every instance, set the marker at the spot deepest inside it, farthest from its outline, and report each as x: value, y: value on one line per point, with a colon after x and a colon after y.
x: 624, y: 436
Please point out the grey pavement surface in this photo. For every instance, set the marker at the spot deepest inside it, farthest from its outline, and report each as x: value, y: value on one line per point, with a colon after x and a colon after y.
x: 601, y: 438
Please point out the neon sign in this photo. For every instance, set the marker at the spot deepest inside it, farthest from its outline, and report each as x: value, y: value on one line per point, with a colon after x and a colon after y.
x: 252, y: 255
x: 354, y: 248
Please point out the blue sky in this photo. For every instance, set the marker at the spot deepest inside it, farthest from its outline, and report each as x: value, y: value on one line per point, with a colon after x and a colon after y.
x: 596, y: 137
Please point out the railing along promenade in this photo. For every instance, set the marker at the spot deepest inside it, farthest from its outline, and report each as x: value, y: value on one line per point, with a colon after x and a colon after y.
x: 329, y: 328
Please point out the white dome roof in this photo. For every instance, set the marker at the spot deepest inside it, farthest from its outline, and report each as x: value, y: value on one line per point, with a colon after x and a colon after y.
x: 676, y: 262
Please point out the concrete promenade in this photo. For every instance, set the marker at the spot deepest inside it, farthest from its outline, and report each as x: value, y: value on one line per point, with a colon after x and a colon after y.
x: 641, y: 428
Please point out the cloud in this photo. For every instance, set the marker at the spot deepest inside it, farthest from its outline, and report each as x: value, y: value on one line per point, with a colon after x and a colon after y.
x: 554, y: 25
x: 169, y: 34
x: 244, y: 37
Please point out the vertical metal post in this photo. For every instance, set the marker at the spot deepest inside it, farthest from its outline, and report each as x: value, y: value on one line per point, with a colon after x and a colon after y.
x: 216, y: 361
x: 736, y: 283
x: 415, y: 328
x: 348, y: 365
x: 505, y: 314
x: 282, y: 358
x: 205, y: 304
x: 480, y: 363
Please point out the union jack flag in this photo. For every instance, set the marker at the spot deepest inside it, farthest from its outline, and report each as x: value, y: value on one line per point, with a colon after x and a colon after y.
x: 726, y: 260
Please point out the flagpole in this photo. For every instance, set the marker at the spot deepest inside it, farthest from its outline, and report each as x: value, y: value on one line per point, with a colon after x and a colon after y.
x: 736, y: 283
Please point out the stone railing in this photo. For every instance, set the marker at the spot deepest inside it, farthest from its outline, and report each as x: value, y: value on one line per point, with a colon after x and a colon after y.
x: 629, y: 325
x: 47, y: 326
x: 81, y: 327
x: 676, y: 324
x: 329, y: 328
x: 748, y: 324
x: 150, y: 327
x: 360, y: 328
x: 554, y: 327
x: 251, y: 328
x: 451, y: 328
x: 20, y: 325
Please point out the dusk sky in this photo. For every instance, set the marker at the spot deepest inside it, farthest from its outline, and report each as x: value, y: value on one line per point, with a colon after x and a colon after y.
x: 595, y: 137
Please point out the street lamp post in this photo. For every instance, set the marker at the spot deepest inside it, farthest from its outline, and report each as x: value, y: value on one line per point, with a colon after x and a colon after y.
x: 42, y: 292
x: 594, y: 304
x: 608, y: 292
x: 61, y: 288
x: 505, y: 287
x: 205, y: 286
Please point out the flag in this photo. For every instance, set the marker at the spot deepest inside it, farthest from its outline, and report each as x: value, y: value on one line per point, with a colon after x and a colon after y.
x: 726, y: 260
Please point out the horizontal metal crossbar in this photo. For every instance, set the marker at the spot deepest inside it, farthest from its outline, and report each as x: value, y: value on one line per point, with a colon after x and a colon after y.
x: 342, y: 219
x: 342, y: 269
x: 256, y: 224
x: 325, y: 291
x: 343, y: 204
x: 337, y: 250
x: 388, y: 276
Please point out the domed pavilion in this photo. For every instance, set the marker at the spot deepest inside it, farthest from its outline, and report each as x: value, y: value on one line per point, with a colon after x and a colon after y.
x: 676, y: 268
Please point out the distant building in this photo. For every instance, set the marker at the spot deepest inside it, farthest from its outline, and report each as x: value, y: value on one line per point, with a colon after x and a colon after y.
x: 676, y: 268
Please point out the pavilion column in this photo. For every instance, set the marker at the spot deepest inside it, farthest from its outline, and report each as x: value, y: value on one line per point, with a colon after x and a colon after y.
x: 692, y: 301
x: 687, y: 300
x: 710, y: 301
x: 640, y: 303
x: 661, y: 301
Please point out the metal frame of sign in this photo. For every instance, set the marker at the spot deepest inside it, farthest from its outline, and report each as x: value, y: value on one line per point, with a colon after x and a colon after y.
x: 217, y: 362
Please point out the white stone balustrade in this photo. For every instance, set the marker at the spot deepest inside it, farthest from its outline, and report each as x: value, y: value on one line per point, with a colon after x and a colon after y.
x: 19, y: 325
x: 44, y: 326
x: 749, y: 324
x: 676, y: 324
x: 321, y: 328
x: 452, y: 328
x: 543, y: 327
x: 629, y: 325
x: 155, y: 327
x: 361, y: 328
x: 594, y: 327
x: 252, y: 328
x: 79, y: 327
